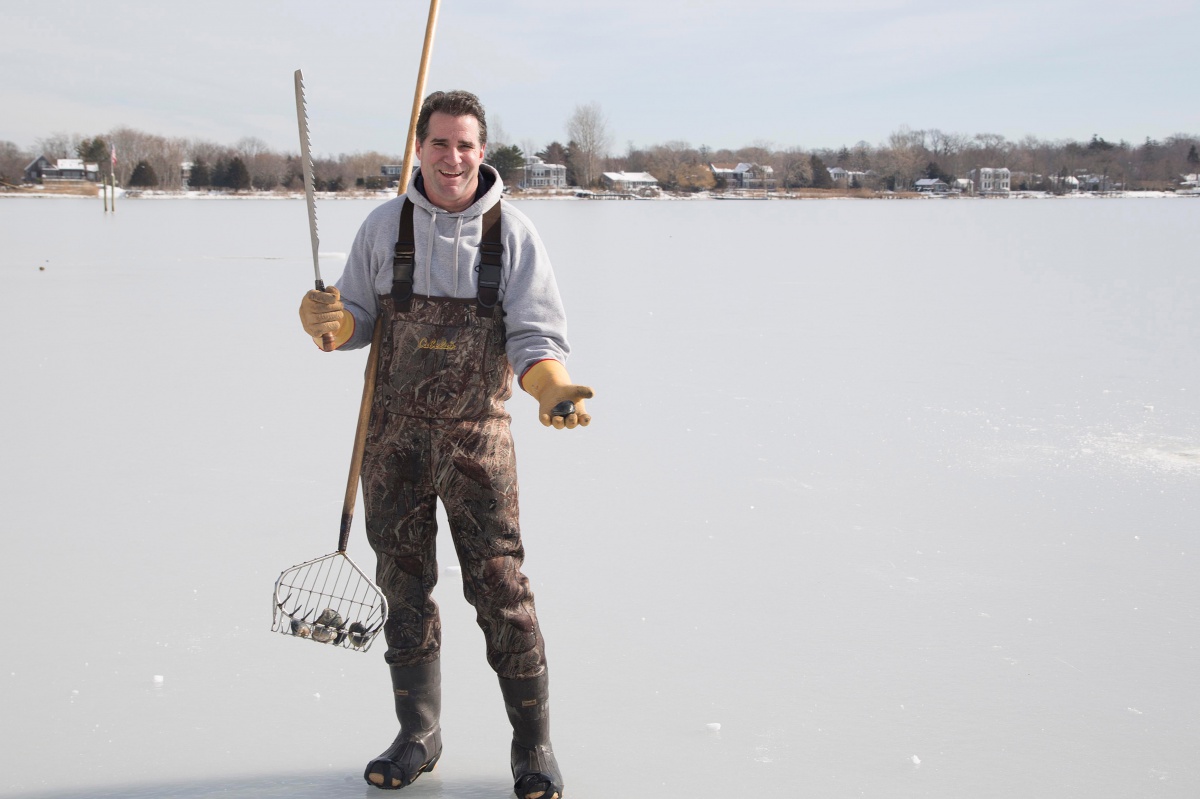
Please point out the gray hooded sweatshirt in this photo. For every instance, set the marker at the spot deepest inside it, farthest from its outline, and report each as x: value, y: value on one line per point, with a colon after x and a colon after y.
x: 447, y: 252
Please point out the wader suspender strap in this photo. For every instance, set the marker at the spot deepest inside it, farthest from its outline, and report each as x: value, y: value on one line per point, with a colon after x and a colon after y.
x: 404, y: 260
x: 491, y: 252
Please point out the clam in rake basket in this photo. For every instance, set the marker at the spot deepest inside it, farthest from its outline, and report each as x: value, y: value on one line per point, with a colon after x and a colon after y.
x: 331, y: 601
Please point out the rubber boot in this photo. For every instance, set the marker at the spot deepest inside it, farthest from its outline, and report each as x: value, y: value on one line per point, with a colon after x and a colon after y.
x: 418, y: 691
x: 534, y: 769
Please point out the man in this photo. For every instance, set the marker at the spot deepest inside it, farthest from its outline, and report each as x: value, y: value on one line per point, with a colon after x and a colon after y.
x: 464, y: 303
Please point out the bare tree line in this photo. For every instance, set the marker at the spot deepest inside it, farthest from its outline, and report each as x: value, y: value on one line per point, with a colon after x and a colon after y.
x: 905, y: 156
x: 909, y: 155
x: 267, y: 169
x: 896, y: 164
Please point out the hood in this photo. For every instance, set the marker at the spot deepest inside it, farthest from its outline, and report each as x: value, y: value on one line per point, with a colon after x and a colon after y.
x: 447, y: 243
x: 490, y: 197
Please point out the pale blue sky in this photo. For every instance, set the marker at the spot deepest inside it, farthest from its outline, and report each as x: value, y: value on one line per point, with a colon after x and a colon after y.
x: 810, y: 73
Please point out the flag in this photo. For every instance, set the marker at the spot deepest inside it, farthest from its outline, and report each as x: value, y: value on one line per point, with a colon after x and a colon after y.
x: 113, y: 149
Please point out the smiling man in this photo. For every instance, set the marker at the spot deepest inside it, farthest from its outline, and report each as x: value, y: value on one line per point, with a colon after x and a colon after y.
x: 450, y: 159
x: 463, y: 290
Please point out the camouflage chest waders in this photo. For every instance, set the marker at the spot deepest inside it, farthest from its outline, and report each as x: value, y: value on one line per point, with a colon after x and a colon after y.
x: 439, y: 429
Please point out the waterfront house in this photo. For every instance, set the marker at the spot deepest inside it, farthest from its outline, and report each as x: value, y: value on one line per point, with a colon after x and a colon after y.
x: 932, y: 186
x: 539, y: 174
x: 392, y: 172
x: 724, y: 175
x: 1064, y: 184
x: 42, y: 169
x: 992, y: 180
x: 847, y: 178
x: 1097, y: 183
x: 628, y: 181
x: 744, y: 175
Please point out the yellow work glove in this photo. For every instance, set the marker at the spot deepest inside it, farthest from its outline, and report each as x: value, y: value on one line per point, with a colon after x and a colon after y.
x: 549, y: 383
x: 326, y: 319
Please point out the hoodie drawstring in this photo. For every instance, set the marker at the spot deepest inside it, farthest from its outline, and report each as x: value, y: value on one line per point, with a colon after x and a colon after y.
x: 457, y: 238
x: 429, y: 250
x: 432, y: 235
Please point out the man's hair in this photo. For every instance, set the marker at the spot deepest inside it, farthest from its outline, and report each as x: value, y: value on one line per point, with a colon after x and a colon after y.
x: 457, y: 104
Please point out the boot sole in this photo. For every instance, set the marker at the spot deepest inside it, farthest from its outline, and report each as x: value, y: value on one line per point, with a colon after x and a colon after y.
x: 531, y: 787
x: 397, y: 784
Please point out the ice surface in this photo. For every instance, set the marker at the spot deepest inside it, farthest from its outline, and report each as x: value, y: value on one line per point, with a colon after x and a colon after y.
x: 867, y: 481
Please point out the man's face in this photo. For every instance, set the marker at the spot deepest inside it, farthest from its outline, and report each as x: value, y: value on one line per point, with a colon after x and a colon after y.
x: 450, y: 158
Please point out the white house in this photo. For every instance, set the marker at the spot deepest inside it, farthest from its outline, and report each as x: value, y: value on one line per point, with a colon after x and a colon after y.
x: 744, y: 175
x: 755, y: 176
x: 629, y: 181
x: 724, y: 172
x: 992, y: 180
x: 1067, y: 184
x: 845, y: 177
x: 539, y: 174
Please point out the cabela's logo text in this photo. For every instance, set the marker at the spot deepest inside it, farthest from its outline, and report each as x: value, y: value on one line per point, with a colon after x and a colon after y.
x: 436, y: 344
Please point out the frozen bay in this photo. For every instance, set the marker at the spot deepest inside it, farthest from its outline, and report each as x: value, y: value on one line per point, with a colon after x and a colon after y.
x: 902, y: 495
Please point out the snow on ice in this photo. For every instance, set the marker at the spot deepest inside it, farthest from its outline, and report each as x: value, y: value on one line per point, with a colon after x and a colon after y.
x: 794, y: 400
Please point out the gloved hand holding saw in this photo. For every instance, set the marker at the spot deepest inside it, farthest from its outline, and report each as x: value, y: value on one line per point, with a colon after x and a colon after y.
x: 560, y: 402
x: 322, y: 312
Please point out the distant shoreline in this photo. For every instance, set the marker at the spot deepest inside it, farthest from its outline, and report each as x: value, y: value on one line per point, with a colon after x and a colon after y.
x: 802, y: 194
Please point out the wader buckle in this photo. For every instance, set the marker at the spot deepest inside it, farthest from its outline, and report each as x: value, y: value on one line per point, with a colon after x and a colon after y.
x: 489, y: 270
x: 404, y: 261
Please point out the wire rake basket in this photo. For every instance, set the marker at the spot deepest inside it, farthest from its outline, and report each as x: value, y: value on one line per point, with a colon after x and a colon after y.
x: 329, y: 600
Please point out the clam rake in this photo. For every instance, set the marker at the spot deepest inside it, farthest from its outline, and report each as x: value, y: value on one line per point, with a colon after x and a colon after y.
x: 329, y: 600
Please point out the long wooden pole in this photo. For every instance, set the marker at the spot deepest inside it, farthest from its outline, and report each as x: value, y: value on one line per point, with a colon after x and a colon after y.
x: 368, y: 396
x: 418, y: 97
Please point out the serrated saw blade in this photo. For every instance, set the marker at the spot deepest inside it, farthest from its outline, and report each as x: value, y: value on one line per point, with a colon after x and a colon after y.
x: 309, y: 181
